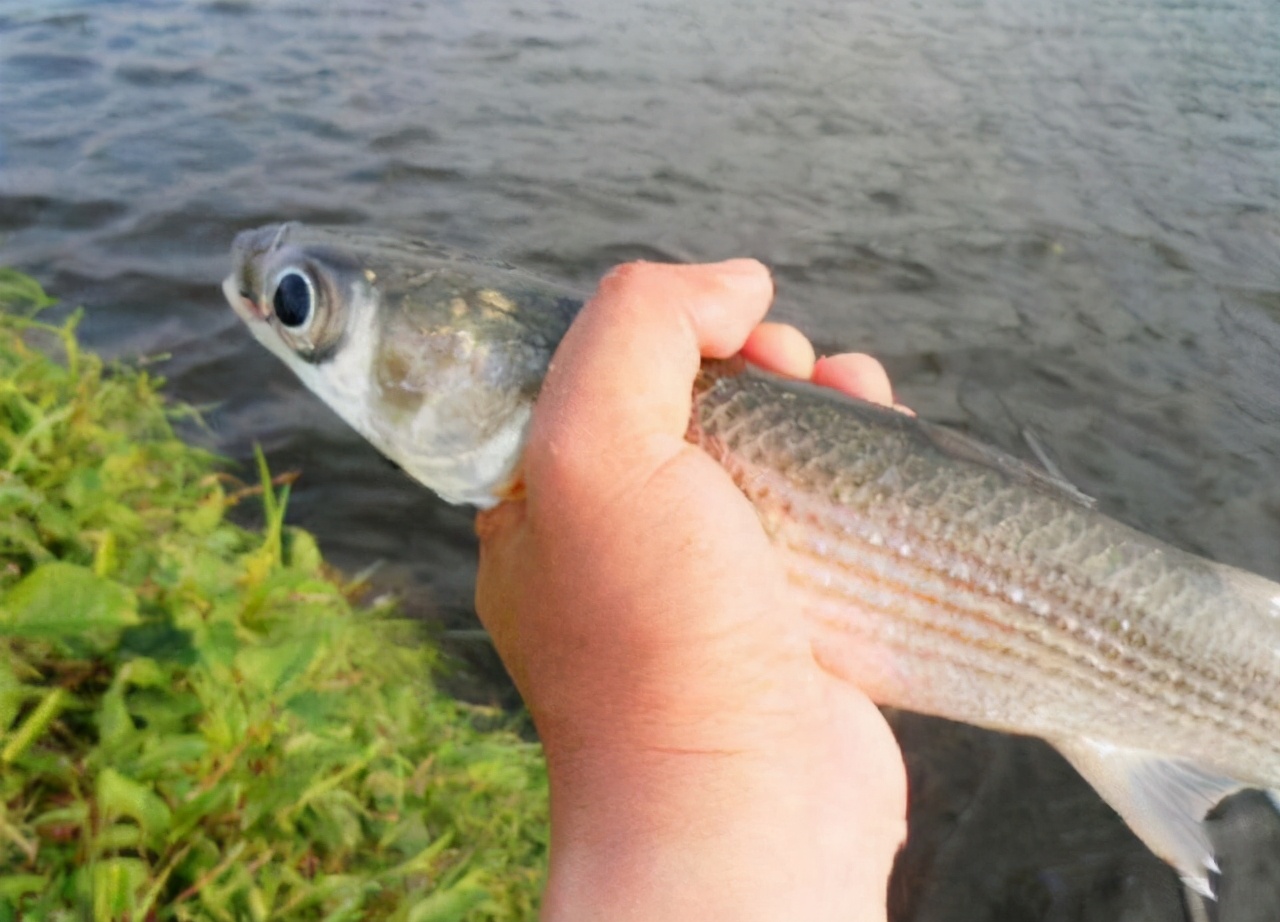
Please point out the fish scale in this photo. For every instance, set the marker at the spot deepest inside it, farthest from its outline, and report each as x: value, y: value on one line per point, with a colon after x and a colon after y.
x: 1086, y: 573
x: 939, y: 575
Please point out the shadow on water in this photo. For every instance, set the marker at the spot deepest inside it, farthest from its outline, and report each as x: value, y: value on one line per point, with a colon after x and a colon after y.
x: 1061, y: 219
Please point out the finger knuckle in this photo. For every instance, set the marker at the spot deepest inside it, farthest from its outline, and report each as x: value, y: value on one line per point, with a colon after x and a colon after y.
x: 623, y: 278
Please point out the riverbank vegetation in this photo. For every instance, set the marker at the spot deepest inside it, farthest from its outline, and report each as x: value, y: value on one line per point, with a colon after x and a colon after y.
x: 196, y: 720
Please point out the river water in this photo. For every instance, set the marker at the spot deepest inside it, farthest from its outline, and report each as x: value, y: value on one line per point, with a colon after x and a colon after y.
x: 1055, y: 219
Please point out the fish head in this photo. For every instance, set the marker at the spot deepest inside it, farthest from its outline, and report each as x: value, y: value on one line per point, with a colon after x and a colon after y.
x: 434, y: 357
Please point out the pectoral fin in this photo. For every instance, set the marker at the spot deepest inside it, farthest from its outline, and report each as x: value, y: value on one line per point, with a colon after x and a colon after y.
x: 1163, y: 800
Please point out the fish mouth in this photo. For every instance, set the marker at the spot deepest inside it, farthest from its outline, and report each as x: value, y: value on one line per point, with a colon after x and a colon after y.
x: 242, y: 287
x: 242, y: 302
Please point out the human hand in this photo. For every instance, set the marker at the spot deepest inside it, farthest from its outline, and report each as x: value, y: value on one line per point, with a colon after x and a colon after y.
x: 784, y: 350
x: 702, y: 764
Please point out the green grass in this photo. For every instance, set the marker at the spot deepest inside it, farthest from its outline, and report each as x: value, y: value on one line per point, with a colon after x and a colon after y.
x: 196, y: 722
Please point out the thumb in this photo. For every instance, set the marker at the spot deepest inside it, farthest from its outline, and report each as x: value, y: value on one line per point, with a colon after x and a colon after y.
x: 499, y: 579
x: 624, y: 373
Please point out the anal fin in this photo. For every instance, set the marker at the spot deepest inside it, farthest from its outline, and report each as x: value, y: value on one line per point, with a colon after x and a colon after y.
x: 1163, y: 800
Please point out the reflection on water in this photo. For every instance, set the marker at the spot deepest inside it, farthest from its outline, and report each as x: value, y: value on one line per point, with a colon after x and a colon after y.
x: 1061, y: 218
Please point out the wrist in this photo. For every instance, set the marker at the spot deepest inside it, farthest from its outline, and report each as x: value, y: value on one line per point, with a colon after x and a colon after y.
x: 774, y: 829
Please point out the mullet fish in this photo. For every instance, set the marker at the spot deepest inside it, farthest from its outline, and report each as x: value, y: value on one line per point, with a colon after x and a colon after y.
x: 939, y: 575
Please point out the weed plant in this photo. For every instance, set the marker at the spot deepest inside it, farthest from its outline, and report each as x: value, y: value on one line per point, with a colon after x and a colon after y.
x: 196, y: 722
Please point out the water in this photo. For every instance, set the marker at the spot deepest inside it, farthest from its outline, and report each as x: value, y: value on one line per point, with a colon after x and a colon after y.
x: 1061, y: 219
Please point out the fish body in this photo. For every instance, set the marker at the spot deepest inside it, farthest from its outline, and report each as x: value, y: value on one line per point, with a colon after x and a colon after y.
x: 939, y: 576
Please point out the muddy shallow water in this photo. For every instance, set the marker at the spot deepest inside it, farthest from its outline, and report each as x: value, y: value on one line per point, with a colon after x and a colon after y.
x: 1061, y: 219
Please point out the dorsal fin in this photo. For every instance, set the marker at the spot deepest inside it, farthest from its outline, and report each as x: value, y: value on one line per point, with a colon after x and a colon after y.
x: 966, y: 448
x: 949, y: 441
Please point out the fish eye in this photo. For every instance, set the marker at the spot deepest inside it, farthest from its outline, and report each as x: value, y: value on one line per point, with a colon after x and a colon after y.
x: 294, y: 299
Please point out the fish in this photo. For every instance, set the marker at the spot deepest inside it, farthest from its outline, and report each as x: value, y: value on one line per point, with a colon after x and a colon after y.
x: 939, y: 575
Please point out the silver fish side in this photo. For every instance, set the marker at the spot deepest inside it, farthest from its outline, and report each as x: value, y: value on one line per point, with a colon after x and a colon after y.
x: 938, y: 575
x: 994, y: 597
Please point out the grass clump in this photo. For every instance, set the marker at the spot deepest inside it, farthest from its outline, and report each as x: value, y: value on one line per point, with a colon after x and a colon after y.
x: 195, y: 721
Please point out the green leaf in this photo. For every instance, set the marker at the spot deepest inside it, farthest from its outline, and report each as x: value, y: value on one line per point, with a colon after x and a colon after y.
x: 12, y: 694
x: 116, y: 882
x: 190, y: 812
x: 22, y: 293
x: 452, y: 904
x: 33, y: 727
x: 118, y: 837
x: 302, y: 551
x: 14, y: 887
x: 169, y: 752
x: 75, y: 814
x: 115, y: 726
x: 219, y: 643
x: 119, y: 796
x: 165, y: 711
x: 158, y: 641
x: 61, y: 600
x: 316, y: 708
x: 271, y: 668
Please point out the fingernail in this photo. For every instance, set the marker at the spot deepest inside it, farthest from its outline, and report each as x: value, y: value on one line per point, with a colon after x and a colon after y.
x: 749, y: 274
